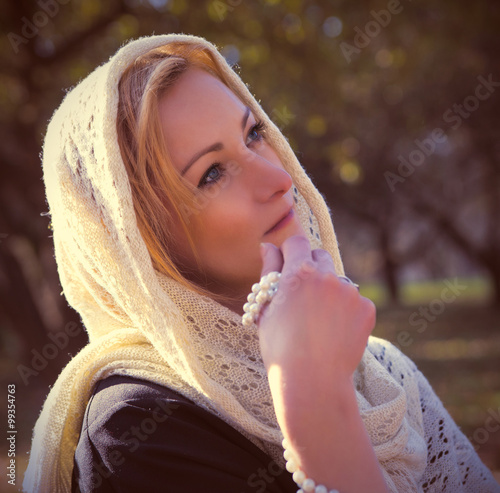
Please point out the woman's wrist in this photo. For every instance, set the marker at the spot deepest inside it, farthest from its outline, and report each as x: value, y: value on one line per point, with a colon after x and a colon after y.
x: 328, y: 441
x: 298, y: 406
x: 304, y: 420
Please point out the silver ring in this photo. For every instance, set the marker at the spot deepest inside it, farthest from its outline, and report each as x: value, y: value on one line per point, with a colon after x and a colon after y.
x: 348, y: 281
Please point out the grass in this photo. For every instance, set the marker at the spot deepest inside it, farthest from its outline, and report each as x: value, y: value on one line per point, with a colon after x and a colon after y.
x: 470, y: 290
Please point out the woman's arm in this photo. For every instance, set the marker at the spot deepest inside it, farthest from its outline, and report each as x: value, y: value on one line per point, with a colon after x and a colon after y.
x: 313, y: 336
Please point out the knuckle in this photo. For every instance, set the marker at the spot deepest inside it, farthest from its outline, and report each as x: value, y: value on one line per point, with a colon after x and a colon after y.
x: 369, y: 305
x: 350, y: 292
x: 320, y: 253
x: 369, y: 312
x: 291, y: 281
x: 306, y: 268
x: 329, y: 280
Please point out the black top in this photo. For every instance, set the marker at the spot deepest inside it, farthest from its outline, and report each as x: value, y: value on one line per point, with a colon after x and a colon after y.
x: 139, y: 436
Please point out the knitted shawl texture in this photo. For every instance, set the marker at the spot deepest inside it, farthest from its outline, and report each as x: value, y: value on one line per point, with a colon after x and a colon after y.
x: 143, y: 324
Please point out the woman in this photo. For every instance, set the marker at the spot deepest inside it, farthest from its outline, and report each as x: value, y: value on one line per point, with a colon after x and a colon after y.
x: 171, y: 192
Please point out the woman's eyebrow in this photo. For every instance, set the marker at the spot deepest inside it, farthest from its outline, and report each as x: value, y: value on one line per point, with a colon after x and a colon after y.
x: 214, y: 147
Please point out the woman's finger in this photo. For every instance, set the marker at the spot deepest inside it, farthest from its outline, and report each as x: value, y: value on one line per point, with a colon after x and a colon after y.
x: 323, y: 260
x: 296, y: 253
x: 272, y: 259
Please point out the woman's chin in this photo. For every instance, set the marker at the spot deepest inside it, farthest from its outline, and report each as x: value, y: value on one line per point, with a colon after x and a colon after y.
x: 294, y: 229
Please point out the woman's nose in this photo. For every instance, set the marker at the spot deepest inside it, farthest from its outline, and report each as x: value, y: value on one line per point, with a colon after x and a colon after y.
x: 270, y: 180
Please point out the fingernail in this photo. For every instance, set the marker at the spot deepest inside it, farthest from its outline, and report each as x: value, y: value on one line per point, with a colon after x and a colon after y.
x: 264, y: 248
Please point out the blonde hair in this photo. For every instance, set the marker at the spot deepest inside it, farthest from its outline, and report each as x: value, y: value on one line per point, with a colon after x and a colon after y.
x: 160, y: 195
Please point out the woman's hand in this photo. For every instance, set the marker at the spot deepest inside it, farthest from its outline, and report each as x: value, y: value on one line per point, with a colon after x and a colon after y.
x: 315, y: 321
x: 312, y: 336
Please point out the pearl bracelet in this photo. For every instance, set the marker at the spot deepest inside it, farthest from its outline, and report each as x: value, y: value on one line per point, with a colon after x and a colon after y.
x: 307, y: 485
x: 262, y: 293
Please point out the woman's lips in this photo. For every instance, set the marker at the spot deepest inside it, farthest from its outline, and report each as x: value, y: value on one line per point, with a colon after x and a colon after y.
x: 284, y: 221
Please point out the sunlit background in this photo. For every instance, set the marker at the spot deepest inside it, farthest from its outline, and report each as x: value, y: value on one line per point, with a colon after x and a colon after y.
x: 392, y: 107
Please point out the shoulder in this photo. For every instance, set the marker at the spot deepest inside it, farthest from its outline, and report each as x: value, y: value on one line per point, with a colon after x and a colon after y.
x: 137, y: 434
x: 131, y: 413
x: 117, y: 396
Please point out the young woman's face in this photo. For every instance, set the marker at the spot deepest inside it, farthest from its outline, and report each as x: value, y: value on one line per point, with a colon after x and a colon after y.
x: 243, y: 194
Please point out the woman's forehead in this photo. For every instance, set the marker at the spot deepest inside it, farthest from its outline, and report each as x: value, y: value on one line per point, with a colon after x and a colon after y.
x: 198, y: 90
x: 195, y: 112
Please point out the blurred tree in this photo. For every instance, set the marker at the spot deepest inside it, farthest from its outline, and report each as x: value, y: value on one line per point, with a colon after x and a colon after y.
x: 357, y: 88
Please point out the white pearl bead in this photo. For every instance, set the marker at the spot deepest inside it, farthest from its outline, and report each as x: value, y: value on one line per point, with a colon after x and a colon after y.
x: 265, y: 284
x: 262, y: 297
x: 247, y: 319
x: 321, y: 489
x: 299, y: 477
x: 274, y: 276
x: 308, y: 485
x: 285, y: 444
x: 262, y: 292
x: 254, y: 308
x: 287, y: 455
x: 291, y: 466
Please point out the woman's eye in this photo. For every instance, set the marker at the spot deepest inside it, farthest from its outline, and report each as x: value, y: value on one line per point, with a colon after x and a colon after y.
x: 256, y: 132
x: 254, y: 135
x: 212, y: 175
x: 216, y: 171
